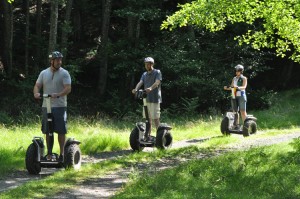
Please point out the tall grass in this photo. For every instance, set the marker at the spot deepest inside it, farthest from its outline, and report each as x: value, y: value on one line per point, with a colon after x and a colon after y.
x: 100, y: 134
x: 268, y: 172
x: 283, y: 114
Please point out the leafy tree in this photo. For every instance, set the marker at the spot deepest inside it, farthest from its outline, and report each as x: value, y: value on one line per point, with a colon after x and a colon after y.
x: 271, y: 23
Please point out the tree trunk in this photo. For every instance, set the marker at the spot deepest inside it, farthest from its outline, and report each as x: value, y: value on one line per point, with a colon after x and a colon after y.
x: 103, y: 47
x: 8, y: 37
x: 27, y: 37
x: 38, y: 32
x: 130, y: 27
x: 287, y: 71
x: 53, y: 26
x: 66, y: 28
x: 77, y: 21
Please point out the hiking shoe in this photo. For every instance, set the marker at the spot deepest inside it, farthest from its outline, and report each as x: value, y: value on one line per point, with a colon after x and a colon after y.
x: 61, y: 158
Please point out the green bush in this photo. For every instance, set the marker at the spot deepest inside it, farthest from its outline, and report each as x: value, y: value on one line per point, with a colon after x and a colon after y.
x: 260, y: 99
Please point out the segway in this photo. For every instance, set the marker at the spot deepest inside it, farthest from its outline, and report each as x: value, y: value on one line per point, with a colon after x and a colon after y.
x: 140, y: 138
x: 35, y: 154
x: 229, y: 123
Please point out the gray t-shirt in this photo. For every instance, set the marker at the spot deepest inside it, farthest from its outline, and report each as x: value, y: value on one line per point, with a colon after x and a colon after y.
x: 54, y: 83
x: 148, y: 79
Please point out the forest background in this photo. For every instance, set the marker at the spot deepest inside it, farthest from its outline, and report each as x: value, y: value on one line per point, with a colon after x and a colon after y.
x: 104, y: 43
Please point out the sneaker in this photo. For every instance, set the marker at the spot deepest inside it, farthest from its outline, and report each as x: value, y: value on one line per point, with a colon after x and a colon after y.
x: 61, y: 158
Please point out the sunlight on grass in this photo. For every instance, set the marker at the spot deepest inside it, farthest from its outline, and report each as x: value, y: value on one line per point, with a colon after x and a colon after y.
x: 104, y: 134
x: 271, y: 171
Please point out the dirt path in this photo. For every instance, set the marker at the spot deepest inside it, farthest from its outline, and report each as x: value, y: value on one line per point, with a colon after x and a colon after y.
x: 108, y: 185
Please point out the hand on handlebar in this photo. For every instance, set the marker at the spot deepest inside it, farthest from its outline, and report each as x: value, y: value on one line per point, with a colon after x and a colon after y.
x: 55, y: 95
x: 227, y: 87
x: 133, y: 91
x: 230, y: 87
x: 148, y: 90
x: 37, y: 96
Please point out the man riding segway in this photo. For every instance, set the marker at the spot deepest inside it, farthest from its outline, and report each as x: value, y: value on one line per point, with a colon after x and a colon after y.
x: 141, y: 137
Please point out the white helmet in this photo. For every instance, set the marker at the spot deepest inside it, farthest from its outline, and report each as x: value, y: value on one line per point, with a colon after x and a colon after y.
x: 239, y: 67
x: 149, y: 59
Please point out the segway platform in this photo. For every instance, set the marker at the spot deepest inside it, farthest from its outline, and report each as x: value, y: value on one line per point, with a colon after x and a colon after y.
x: 248, y: 128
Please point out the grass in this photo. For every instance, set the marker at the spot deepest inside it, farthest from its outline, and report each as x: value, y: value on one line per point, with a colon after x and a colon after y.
x: 65, y: 179
x: 284, y: 114
x: 268, y: 172
x: 98, y: 135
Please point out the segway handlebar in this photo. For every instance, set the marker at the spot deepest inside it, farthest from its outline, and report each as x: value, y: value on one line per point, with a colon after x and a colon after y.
x: 140, y: 94
x: 232, y: 87
x: 48, y: 95
x: 233, y: 90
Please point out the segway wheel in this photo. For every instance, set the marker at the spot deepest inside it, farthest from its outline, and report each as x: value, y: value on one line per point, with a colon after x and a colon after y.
x: 224, y: 126
x: 250, y: 127
x: 32, y: 165
x: 163, y: 139
x: 72, y: 157
x: 134, y: 140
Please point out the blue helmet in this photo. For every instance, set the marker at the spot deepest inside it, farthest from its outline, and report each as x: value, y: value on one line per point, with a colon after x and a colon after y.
x: 55, y: 55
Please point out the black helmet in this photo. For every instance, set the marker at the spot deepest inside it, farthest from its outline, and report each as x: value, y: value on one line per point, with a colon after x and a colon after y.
x: 55, y: 55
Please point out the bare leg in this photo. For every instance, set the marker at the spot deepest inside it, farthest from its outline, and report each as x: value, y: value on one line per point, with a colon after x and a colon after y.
x: 50, y: 142
x: 149, y: 128
x: 61, y: 141
x: 244, y: 115
x: 236, y: 119
x: 157, y: 123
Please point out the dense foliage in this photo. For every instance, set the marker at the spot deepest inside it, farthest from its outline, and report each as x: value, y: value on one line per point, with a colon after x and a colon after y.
x: 271, y: 24
x: 195, y: 63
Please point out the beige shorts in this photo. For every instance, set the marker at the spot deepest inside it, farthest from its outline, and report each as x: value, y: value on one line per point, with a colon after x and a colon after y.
x: 153, y: 109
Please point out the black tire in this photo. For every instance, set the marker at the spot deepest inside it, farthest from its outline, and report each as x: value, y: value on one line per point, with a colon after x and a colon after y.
x: 134, y: 140
x: 72, y: 157
x: 224, y: 126
x: 32, y: 165
x: 163, y: 139
x: 250, y: 127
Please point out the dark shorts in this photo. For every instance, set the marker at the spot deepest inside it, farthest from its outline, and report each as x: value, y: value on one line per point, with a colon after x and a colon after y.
x: 239, y: 104
x: 59, y: 121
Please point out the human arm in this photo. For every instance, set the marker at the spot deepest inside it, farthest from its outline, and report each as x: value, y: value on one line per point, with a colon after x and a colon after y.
x: 244, y: 86
x: 153, y: 86
x: 137, y: 87
x: 36, y: 90
x: 66, y: 86
x: 67, y: 89
x: 229, y: 87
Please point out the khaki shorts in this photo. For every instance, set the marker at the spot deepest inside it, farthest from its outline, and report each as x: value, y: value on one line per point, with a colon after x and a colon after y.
x: 153, y: 109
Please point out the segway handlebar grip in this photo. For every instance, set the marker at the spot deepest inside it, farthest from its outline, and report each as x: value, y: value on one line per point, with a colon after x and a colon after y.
x: 140, y: 94
x: 48, y: 95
